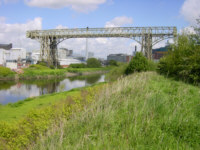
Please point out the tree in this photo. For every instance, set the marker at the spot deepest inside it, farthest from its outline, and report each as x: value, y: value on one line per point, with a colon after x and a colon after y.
x: 182, y: 61
x: 93, y: 63
x: 138, y: 63
x: 112, y: 63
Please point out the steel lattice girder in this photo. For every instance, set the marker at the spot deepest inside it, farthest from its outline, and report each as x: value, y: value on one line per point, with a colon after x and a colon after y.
x: 146, y: 36
x: 126, y: 32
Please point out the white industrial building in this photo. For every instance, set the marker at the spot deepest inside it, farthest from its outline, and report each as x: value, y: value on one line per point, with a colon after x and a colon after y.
x: 65, y: 57
x: 4, y: 55
x: 10, y: 58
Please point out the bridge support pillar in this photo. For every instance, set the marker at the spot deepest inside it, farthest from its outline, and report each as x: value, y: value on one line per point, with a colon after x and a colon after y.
x: 146, y: 45
x: 48, y: 50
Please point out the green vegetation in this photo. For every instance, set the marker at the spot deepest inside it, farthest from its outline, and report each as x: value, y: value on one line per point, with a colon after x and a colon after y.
x: 82, y: 70
x: 140, y: 111
x: 37, y: 71
x: 6, y: 72
x: 183, y: 60
x: 21, y: 123
x: 116, y: 72
x: 82, y: 65
x: 113, y: 63
x: 93, y: 63
x: 138, y: 63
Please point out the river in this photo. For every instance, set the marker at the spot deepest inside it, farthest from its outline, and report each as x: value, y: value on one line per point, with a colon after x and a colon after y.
x: 11, y: 92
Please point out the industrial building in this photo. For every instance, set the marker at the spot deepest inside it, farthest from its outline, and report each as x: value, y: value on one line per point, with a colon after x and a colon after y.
x: 65, y: 57
x: 159, y: 52
x: 119, y: 57
x: 12, y: 58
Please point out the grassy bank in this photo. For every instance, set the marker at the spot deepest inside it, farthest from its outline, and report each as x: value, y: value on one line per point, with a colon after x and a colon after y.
x: 6, y: 73
x: 89, y: 70
x: 21, y: 123
x: 43, y: 72
x: 141, y: 111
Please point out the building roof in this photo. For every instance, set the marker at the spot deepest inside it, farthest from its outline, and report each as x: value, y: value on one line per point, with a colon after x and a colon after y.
x: 6, y: 46
x: 118, y: 55
x: 161, y: 49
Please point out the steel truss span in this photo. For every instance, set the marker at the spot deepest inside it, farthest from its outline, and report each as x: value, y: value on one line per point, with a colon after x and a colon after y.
x: 146, y: 36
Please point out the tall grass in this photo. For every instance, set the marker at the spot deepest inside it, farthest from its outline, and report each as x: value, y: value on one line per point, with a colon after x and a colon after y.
x: 116, y: 72
x: 140, y: 111
x: 6, y: 72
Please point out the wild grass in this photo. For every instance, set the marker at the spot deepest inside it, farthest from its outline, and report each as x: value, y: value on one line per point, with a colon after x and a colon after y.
x: 82, y: 70
x: 39, y: 70
x: 6, y: 72
x: 140, y: 111
x: 34, y: 117
x: 116, y: 72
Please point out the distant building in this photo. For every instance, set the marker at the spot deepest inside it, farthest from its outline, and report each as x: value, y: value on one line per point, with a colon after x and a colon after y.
x: 90, y: 54
x: 63, y: 53
x: 119, y: 57
x: 159, y: 52
x: 6, y: 46
x: 17, y: 53
x: 4, y: 55
x: 35, y: 56
x: 66, y: 62
x: 12, y: 58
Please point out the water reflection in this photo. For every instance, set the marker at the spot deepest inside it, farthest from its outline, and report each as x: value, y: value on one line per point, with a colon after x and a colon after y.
x: 12, y: 92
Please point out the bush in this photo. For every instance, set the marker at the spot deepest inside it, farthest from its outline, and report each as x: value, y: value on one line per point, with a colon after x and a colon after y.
x: 112, y: 63
x: 5, y: 72
x: 52, y: 67
x: 138, y: 63
x: 182, y: 61
x: 82, y: 65
x: 42, y: 63
x: 93, y: 63
x: 38, y: 67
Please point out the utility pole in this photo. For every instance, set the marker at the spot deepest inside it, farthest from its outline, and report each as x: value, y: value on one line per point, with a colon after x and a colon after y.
x: 86, y: 53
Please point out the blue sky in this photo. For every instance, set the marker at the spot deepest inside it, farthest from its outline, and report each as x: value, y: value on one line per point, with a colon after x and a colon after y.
x: 17, y: 16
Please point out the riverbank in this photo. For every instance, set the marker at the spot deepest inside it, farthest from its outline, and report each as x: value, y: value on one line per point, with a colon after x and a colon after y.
x: 140, y: 111
x: 47, y: 73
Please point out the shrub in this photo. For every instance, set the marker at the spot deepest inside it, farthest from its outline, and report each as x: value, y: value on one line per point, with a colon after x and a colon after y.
x: 5, y: 72
x: 38, y: 67
x: 113, y: 63
x: 138, y: 63
x: 52, y: 67
x: 42, y: 63
x: 93, y: 63
x: 82, y: 65
x: 182, y: 61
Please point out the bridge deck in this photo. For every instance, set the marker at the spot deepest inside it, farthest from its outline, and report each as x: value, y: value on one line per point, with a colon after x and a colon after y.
x: 128, y: 32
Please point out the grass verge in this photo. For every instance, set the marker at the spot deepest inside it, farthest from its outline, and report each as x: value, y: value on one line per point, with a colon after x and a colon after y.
x: 140, y: 111
x: 21, y: 123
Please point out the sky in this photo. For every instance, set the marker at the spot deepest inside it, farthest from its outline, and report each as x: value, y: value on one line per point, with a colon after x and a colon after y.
x: 18, y: 16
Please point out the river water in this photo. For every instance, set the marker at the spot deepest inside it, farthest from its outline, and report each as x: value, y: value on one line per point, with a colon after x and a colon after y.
x: 11, y: 91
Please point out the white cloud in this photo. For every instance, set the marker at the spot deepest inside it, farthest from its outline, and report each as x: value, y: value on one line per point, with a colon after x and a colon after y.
x: 77, y: 5
x: 61, y: 27
x: 16, y: 33
x: 2, y: 19
x: 190, y: 10
x: 188, y: 30
x: 119, y: 21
